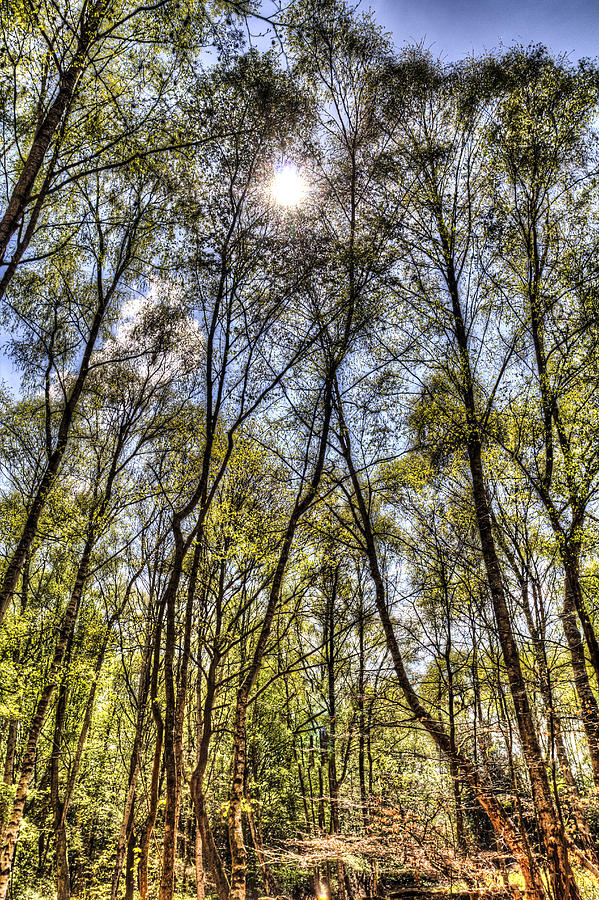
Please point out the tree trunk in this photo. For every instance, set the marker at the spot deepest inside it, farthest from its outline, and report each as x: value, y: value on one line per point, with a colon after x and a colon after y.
x: 63, y: 875
x: 302, y: 504
x: 169, y: 847
x: 483, y: 791
x: 555, y: 728
x: 130, y: 857
x: 205, y: 839
x: 67, y: 626
x: 551, y: 830
x: 134, y: 765
x: 50, y: 124
x: 11, y: 746
x: 586, y: 696
x: 29, y: 531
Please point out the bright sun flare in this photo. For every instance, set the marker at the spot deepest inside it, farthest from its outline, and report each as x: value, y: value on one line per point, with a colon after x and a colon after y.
x: 288, y: 188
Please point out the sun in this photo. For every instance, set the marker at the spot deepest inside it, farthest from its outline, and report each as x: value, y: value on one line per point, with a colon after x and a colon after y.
x: 288, y: 188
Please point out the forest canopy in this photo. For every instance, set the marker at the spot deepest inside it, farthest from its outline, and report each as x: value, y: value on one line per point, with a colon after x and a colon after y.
x: 299, y: 459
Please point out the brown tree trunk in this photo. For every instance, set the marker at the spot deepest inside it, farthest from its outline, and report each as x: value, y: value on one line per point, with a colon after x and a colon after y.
x: 134, y: 765
x: 175, y: 706
x: 586, y: 695
x: 302, y: 504
x: 199, y: 864
x: 551, y: 830
x: 67, y: 626
x: 555, y: 729
x: 483, y: 791
x: 205, y: 839
x: 153, y: 806
x: 156, y: 762
x: 63, y: 874
x: 48, y: 127
x: 130, y: 857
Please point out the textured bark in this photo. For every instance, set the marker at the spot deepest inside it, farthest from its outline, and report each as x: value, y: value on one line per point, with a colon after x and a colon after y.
x: 234, y: 815
x: 63, y: 874
x: 551, y: 829
x: 67, y: 627
x: 503, y: 825
x: 199, y: 864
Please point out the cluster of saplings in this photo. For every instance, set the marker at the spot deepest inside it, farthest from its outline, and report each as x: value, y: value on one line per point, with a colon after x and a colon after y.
x: 298, y: 516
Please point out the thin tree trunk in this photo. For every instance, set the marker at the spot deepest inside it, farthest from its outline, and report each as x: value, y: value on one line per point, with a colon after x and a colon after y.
x: 156, y: 762
x: 206, y: 838
x: 134, y: 765
x: 234, y: 815
x: 11, y: 834
x: 11, y: 746
x: 130, y: 857
x: 484, y: 792
x: 270, y: 885
x: 555, y: 728
x: 550, y: 827
x: 50, y: 124
x: 63, y: 878
x: 29, y: 531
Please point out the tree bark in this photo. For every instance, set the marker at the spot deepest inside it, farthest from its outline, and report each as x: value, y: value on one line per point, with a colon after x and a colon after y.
x: 67, y: 626
x: 302, y: 504
x: 50, y: 124
x: 482, y: 789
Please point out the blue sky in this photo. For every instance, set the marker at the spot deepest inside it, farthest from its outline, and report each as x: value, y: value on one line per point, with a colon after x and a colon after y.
x: 453, y: 29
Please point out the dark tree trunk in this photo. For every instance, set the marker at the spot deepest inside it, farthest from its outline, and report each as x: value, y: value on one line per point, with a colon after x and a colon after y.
x: 551, y: 829
x: 67, y: 626
x: 50, y: 124
x: 234, y: 816
x: 484, y: 792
